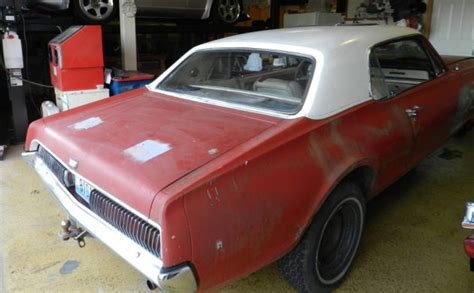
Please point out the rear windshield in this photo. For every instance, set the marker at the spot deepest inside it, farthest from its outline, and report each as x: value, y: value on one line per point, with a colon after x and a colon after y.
x: 260, y: 79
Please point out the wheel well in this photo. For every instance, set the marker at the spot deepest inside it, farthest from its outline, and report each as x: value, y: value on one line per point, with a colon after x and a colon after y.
x: 362, y: 176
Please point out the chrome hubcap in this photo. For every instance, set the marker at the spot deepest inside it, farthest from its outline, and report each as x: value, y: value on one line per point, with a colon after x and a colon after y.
x: 97, y: 9
x: 229, y: 10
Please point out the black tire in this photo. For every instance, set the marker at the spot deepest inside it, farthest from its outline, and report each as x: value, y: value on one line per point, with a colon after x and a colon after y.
x: 95, y: 11
x: 324, y: 255
x: 464, y: 130
x: 226, y: 11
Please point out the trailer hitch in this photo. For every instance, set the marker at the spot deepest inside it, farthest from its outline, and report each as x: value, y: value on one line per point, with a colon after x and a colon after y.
x: 71, y: 231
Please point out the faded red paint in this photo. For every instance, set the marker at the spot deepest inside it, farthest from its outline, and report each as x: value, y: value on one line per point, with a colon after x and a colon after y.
x: 269, y: 177
x: 449, y: 60
x: 100, y: 150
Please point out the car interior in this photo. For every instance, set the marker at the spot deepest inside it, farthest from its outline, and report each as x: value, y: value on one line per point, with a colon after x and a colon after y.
x: 246, y: 77
x: 398, y: 66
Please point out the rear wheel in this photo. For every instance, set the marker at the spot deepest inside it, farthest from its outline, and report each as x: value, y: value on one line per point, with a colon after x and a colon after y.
x: 324, y: 255
x: 95, y: 11
x: 227, y: 11
x: 464, y: 130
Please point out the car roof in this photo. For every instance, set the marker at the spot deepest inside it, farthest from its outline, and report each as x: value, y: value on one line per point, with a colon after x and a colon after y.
x: 342, y: 78
x: 322, y: 38
x: 342, y: 75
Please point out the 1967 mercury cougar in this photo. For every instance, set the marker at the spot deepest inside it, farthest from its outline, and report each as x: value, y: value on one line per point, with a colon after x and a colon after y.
x: 253, y: 148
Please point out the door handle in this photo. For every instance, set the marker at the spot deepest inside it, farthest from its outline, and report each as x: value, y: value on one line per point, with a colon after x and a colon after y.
x: 413, y: 112
x: 417, y: 109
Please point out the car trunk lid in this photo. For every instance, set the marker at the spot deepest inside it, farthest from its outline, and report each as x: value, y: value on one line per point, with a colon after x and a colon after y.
x: 135, y: 146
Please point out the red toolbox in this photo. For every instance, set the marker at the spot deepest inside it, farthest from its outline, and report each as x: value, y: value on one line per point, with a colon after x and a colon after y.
x: 76, y: 59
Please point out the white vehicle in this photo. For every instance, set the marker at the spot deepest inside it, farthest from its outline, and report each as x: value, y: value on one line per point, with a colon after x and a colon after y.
x: 102, y: 11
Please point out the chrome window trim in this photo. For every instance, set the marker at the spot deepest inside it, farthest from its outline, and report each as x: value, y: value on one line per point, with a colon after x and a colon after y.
x: 416, y: 38
x: 309, y: 94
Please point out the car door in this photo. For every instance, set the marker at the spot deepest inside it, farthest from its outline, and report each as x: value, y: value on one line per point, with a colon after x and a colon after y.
x: 394, y: 138
x: 422, y: 86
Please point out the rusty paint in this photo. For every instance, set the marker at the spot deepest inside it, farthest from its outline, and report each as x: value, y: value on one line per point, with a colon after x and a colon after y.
x: 465, y: 105
x: 317, y: 153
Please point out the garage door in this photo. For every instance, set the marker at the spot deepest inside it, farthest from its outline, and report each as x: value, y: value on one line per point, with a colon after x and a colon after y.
x: 452, y: 27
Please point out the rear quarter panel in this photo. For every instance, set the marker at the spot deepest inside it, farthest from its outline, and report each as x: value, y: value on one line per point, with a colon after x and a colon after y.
x: 251, y: 206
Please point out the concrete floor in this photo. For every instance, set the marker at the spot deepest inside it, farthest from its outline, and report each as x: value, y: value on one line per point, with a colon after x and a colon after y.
x: 412, y: 242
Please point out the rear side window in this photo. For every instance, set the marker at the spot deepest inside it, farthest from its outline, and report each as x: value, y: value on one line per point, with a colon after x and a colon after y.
x: 398, y: 66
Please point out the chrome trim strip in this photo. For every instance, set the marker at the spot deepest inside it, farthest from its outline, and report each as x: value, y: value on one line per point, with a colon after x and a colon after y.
x: 118, y: 201
x: 29, y: 157
x: 315, y: 57
x: 96, y: 225
x: 178, y: 280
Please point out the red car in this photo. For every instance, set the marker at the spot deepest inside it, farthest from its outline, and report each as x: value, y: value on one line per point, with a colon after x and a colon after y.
x: 251, y: 149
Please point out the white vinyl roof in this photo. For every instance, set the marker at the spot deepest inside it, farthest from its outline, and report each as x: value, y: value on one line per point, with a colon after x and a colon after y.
x: 342, y: 74
x: 323, y: 38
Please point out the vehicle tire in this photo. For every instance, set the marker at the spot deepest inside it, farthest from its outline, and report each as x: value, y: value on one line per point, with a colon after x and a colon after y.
x: 324, y: 255
x: 464, y: 130
x: 226, y: 11
x: 95, y: 11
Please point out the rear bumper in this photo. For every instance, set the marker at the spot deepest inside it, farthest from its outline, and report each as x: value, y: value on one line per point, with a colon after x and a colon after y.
x: 176, y: 279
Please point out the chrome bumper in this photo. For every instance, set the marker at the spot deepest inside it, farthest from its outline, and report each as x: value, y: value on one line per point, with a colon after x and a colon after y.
x: 179, y: 279
x: 468, y: 221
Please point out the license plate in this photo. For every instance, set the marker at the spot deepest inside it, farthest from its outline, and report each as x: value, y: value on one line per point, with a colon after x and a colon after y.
x: 83, y: 189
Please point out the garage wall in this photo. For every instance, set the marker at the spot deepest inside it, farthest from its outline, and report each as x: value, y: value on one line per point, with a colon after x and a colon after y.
x: 452, y: 27
x: 317, y: 5
x: 246, y: 3
x: 313, y: 5
x: 351, y: 7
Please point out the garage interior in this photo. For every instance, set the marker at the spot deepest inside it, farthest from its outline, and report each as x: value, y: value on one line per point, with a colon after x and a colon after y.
x: 413, y: 239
